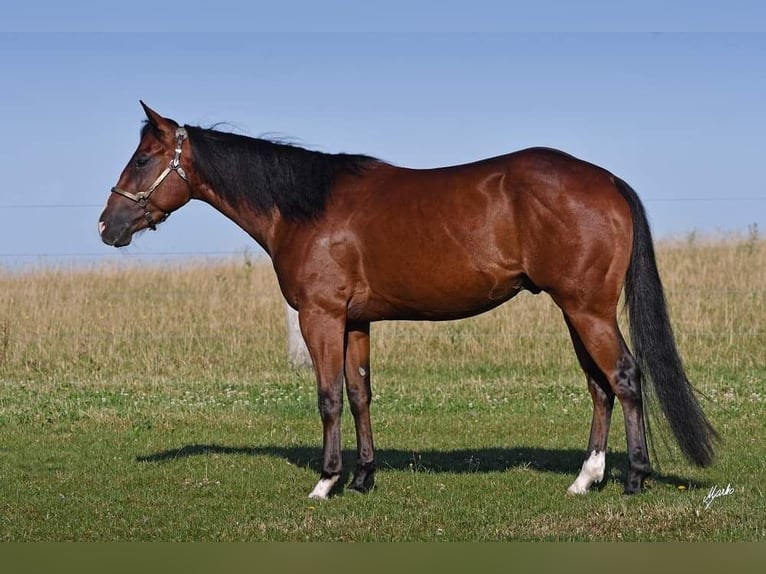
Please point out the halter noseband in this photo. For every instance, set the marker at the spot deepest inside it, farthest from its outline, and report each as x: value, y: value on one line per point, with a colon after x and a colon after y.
x: 142, y: 197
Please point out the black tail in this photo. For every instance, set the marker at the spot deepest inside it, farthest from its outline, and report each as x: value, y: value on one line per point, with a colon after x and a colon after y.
x: 654, y: 346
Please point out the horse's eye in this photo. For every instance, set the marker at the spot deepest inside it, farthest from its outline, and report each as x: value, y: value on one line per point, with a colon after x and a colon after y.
x: 142, y: 160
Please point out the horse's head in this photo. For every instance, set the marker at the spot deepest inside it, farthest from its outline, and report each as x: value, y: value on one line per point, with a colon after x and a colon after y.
x: 148, y: 190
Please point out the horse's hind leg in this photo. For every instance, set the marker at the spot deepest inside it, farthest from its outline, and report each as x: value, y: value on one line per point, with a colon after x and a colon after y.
x: 600, y: 335
x: 603, y: 402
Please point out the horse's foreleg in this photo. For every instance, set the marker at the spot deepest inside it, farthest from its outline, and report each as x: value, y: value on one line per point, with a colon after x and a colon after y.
x: 324, y: 336
x: 359, y: 398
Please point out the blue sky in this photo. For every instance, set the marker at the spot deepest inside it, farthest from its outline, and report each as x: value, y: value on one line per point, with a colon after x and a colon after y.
x: 680, y: 116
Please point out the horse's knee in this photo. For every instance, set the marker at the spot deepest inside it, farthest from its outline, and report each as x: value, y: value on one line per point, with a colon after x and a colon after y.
x: 359, y: 398
x: 330, y: 406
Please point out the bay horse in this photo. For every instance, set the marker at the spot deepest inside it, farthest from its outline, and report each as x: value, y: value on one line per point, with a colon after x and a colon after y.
x: 355, y: 240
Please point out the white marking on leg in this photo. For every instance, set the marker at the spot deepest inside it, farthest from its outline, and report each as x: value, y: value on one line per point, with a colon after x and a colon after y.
x: 362, y: 371
x: 592, y: 471
x: 323, y: 487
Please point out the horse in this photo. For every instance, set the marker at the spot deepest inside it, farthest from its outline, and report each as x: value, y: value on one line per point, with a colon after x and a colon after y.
x: 354, y: 240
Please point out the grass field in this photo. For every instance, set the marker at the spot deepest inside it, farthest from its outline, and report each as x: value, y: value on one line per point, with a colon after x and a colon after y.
x: 158, y: 404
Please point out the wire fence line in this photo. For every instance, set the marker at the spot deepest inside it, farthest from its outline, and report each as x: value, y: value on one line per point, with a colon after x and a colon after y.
x: 13, y: 206
x: 52, y: 206
x: 233, y: 253
x: 129, y: 255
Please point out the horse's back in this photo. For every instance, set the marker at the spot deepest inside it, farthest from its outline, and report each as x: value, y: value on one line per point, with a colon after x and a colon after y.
x: 495, y: 212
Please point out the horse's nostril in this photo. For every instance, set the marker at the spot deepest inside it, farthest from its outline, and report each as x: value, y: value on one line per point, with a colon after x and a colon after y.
x: 101, y: 227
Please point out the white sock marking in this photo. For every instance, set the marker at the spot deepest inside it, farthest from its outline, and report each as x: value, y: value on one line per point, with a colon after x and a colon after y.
x: 592, y: 471
x: 323, y: 487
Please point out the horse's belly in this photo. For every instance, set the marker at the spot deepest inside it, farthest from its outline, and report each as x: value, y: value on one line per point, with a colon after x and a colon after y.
x: 423, y: 296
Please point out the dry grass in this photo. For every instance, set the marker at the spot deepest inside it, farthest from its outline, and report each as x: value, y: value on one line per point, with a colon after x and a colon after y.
x: 227, y: 320
x: 158, y: 322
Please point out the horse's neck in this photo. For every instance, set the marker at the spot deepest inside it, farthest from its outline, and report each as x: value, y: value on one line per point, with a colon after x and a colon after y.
x: 260, y: 226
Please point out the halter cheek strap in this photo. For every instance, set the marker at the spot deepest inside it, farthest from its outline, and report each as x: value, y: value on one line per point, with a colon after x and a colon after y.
x: 142, y: 197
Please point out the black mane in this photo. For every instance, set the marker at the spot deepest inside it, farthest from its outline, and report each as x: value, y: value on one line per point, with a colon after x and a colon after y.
x: 264, y: 174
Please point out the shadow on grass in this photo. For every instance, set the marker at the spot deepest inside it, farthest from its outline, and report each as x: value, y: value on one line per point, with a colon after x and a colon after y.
x: 473, y: 461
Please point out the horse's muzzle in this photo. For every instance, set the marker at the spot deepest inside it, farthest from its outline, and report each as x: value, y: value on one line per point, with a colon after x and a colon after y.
x: 116, y: 235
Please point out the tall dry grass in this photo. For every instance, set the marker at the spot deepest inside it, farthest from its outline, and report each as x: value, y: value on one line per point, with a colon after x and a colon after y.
x: 106, y: 322
x: 226, y: 321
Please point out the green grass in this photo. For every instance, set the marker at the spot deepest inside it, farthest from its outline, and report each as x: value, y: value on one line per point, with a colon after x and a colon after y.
x: 158, y: 405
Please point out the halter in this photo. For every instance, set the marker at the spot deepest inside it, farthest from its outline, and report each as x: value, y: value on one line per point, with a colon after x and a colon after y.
x: 142, y: 197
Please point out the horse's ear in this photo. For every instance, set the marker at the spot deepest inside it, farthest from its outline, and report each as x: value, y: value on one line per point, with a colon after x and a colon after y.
x: 161, y: 125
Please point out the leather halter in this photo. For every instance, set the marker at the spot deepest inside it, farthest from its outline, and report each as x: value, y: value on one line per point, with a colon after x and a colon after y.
x: 142, y: 197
